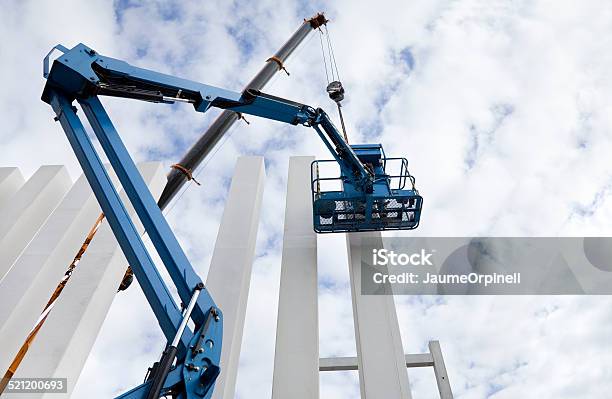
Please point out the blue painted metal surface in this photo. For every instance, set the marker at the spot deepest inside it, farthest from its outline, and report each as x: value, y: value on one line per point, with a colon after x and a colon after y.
x: 391, y: 203
x: 81, y: 73
x: 370, y: 197
x: 166, y: 311
x: 192, y: 365
x: 367, y: 196
x: 156, y: 226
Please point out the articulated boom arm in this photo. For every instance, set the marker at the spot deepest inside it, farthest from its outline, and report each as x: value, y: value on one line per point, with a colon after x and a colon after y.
x: 81, y: 73
x: 367, y: 201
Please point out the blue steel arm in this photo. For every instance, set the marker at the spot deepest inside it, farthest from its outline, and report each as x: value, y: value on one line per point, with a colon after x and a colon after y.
x: 164, y: 307
x: 82, y: 73
x: 198, y: 353
x: 343, y: 153
x: 168, y: 248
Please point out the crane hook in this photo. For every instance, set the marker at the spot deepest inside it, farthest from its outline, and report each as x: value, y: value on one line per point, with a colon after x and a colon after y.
x: 336, y: 91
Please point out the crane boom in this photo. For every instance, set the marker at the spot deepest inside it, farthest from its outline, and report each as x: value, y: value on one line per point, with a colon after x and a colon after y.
x: 217, y: 129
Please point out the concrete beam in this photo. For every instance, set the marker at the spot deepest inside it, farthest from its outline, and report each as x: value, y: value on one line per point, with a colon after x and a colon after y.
x: 432, y: 359
x: 350, y: 363
x: 440, y: 371
x: 229, y: 276
x: 67, y: 336
x: 28, y: 285
x: 296, y: 360
x: 11, y: 180
x: 25, y: 212
x: 380, y: 356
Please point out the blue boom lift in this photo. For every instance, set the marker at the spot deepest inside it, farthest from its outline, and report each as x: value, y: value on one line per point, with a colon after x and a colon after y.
x: 369, y: 198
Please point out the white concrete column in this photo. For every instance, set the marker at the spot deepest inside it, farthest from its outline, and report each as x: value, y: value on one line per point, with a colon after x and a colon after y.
x: 380, y: 356
x: 296, y: 360
x: 28, y: 285
x: 229, y: 276
x: 63, y: 344
x: 25, y: 212
x: 11, y: 180
x: 440, y: 370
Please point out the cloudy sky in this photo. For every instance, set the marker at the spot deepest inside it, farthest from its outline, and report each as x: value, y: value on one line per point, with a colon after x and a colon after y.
x: 502, y: 107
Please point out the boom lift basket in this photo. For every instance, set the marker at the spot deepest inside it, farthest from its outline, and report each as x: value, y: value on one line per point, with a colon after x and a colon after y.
x: 393, y: 203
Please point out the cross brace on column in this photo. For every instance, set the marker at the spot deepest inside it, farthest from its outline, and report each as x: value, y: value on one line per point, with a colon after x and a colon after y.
x: 432, y: 359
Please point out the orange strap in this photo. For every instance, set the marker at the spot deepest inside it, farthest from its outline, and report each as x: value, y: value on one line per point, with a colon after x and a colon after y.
x: 186, y: 172
x: 279, y: 62
x: 58, y: 290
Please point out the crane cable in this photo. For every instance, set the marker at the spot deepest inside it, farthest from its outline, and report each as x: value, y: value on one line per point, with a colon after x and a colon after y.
x: 335, y: 90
